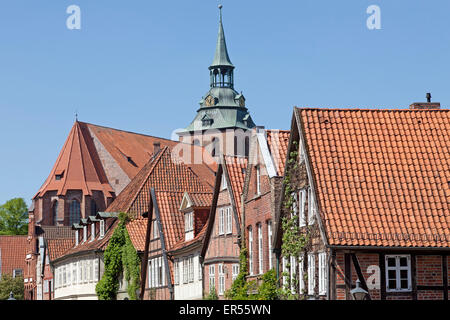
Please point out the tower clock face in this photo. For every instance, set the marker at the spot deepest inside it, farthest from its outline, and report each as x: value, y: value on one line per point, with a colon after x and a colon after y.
x: 210, y: 101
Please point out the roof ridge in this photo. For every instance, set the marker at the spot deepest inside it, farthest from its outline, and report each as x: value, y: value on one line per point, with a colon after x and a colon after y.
x: 366, y: 109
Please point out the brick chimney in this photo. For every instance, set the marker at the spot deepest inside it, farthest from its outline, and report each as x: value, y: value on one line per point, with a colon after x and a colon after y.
x: 425, y: 105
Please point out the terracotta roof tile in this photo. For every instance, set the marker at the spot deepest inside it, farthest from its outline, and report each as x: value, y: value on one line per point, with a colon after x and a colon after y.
x: 383, y: 176
x: 236, y: 168
x: 12, y: 253
x: 58, y: 247
x: 278, y: 141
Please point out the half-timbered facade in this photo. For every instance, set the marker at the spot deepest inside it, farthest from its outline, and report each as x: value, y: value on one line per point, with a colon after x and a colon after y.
x: 371, y: 193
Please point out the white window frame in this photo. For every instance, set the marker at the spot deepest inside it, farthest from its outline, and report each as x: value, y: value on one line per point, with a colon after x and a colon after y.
x: 74, y: 273
x: 311, y: 208
x: 200, y: 269
x: 221, y: 221
x: 260, y: 249
x: 323, y: 275
x: 221, y: 279
x: 234, y: 271
x: 302, y: 197
x: 102, y: 228
x: 176, y: 276
x: 155, y: 229
x: 250, y: 250
x: 92, y: 231
x: 189, y: 221
x: 212, y: 276
x: 185, y: 270
x: 398, y: 270
x: 96, y: 269
x: 223, y: 184
x: 229, y: 227
x: 284, y: 268
x: 301, y: 279
x: 191, y: 268
x: 311, y: 273
x: 293, y: 273
x: 258, y: 180
x: 77, y: 238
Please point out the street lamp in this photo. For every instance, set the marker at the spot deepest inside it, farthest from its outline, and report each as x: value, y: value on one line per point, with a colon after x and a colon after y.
x: 11, y: 296
x: 359, y: 293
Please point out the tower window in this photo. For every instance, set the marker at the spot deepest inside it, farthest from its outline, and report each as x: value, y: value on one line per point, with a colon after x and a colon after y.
x: 55, y: 212
x: 74, y: 212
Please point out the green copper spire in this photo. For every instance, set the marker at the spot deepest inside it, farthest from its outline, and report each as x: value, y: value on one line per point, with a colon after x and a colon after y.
x: 221, y: 57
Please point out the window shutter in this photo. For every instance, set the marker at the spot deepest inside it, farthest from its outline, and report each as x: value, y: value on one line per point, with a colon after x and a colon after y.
x: 302, y: 196
x: 311, y: 273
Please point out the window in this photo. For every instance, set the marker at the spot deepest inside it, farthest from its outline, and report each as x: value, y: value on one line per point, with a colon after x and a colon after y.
x: 64, y: 275
x: 77, y: 237
x: 302, y: 197
x: 301, y: 278
x: 258, y: 180
x: 200, y: 270
x: 284, y: 268
x: 311, y: 207
x: 188, y: 221
x: 185, y: 270
x: 84, y: 233
x: 45, y: 286
x: 176, y: 276
x: 215, y: 145
x: 191, y: 268
x: 155, y: 229
x: 250, y: 250
x: 260, y: 249
x: 74, y: 273
x: 92, y: 231
x: 224, y: 182
x: 221, y: 221
x: 55, y: 212
x: 94, y: 208
x: 212, y: 276
x: 293, y: 273
x: 221, y: 279
x: 69, y: 274
x: 322, y: 273
x: 311, y: 273
x: 229, y: 221
x: 102, y: 228
x: 398, y: 273
x: 294, y: 210
x: 74, y: 212
x: 235, y: 271
x: 79, y: 272
x: 17, y: 273
x: 269, y: 242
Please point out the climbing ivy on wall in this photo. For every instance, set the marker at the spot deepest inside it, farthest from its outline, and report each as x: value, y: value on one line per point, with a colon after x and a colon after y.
x: 294, y: 242
x: 120, y: 256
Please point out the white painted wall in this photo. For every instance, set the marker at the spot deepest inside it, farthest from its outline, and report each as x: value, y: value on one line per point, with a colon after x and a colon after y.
x: 190, y: 290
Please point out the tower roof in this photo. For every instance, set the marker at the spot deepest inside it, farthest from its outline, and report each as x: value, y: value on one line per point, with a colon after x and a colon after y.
x: 78, y: 166
x: 221, y: 57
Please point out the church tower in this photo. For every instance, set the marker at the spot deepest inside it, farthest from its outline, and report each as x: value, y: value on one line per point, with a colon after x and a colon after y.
x: 222, y: 124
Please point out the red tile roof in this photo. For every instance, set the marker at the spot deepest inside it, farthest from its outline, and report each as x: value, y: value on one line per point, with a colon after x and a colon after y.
x: 382, y: 176
x: 12, y: 253
x: 197, y: 239
x: 58, y: 247
x: 166, y: 172
x: 278, y: 141
x: 236, y: 168
x: 201, y: 199
x: 79, y: 166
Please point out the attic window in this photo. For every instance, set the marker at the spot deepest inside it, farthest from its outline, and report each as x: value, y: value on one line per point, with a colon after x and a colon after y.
x: 59, y: 175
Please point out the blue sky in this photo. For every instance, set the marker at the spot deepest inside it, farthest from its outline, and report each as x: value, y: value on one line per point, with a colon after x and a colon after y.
x: 142, y: 66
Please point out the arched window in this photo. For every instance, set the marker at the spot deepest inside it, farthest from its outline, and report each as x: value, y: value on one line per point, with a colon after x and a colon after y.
x: 215, y: 147
x: 196, y: 142
x: 74, y: 212
x: 55, y: 212
x: 247, y: 146
x: 94, y: 208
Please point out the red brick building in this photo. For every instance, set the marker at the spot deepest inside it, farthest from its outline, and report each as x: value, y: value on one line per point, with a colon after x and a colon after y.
x: 171, y: 178
x: 221, y: 247
x: 94, y: 165
x: 371, y: 190
x: 261, y: 196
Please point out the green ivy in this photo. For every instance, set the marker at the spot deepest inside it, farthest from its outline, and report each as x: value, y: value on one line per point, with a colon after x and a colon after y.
x: 212, y: 294
x: 268, y: 290
x: 293, y: 241
x: 119, y: 256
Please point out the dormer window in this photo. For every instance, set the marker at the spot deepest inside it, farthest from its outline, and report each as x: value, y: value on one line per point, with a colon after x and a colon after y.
x: 102, y: 228
x: 189, y: 225
x: 77, y: 238
x: 84, y: 233
x: 92, y: 231
x: 59, y: 174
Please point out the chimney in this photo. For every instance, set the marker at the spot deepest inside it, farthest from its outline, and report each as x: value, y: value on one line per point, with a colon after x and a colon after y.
x: 425, y: 105
x: 156, y: 148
